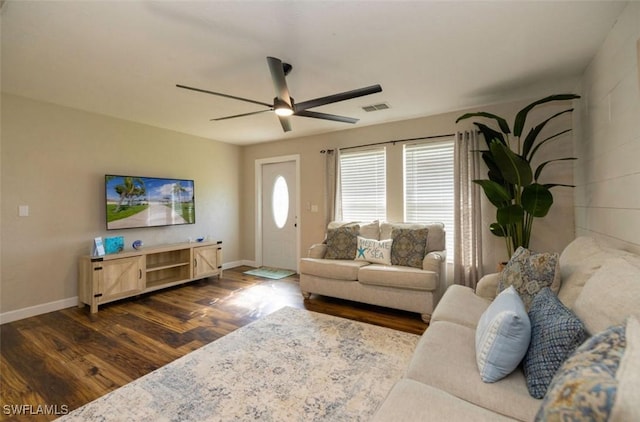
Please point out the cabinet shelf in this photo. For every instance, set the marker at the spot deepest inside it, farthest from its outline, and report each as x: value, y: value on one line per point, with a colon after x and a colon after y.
x: 117, y: 276
x: 165, y: 266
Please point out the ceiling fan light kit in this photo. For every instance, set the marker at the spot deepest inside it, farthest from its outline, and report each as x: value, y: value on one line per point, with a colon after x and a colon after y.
x: 283, y: 104
x: 282, y: 108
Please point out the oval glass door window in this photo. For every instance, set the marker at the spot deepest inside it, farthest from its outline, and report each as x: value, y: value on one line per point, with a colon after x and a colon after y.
x: 280, y: 201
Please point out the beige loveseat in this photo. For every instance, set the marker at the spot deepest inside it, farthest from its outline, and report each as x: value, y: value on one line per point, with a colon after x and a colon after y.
x: 600, y: 285
x: 394, y: 286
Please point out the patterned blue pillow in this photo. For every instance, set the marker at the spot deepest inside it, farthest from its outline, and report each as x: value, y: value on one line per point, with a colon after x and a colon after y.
x: 555, y: 333
x: 586, y: 385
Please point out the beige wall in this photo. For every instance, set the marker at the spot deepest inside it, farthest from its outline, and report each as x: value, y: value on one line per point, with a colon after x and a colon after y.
x: 551, y: 233
x: 607, y: 196
x: 54, y: 160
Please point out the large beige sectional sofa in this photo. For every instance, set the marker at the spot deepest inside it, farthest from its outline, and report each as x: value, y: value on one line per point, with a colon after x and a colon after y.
x: 600, y: 285
x: 394, y: 286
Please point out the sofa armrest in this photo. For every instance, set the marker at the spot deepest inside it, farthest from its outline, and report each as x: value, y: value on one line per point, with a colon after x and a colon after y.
x: 317, y: 251
x: 433, y: 261
x: 488, y: 285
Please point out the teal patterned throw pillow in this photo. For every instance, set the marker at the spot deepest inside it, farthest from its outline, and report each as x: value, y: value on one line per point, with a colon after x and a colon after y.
x: 342, y: 242
x: 409, y: 247
x: 529, y: 273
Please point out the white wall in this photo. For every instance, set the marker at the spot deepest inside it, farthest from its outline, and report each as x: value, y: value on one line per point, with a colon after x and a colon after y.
x: 607, y: 196
x: 54, y: 160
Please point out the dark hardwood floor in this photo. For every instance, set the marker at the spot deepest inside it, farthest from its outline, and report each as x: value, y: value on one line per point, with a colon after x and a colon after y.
x: 59, y: 361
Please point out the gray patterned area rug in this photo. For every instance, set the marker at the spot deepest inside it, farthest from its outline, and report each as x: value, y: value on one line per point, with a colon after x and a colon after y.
x: 293, y: 365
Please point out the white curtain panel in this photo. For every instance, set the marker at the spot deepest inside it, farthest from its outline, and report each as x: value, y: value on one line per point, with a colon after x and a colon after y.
x: 334, y: 195
x: 467, y: 254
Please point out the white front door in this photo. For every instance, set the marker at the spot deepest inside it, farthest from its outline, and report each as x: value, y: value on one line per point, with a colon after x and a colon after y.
x: 279, y: 219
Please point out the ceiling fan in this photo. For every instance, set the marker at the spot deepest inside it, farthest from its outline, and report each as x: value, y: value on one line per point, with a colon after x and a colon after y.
x: 284, y: 105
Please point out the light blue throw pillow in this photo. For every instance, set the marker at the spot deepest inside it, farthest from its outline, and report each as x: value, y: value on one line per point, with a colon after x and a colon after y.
x: 502, y: 336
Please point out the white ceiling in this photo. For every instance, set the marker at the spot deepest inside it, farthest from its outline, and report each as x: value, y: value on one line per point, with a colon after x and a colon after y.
x: 123, y: 59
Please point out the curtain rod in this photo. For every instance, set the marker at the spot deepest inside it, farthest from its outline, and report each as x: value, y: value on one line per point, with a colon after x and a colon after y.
x: 393, y: 142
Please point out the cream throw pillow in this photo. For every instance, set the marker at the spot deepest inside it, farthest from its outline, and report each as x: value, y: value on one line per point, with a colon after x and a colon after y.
x: 610, y: 295
x: 374, y: 251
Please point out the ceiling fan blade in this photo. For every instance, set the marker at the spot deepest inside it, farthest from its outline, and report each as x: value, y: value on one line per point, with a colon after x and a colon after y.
x: 279, y: 82
x: 239, y: 115
x: 219, y: 94
x: 325, y: 116
x: 337, y: 97
x: 285, y: 122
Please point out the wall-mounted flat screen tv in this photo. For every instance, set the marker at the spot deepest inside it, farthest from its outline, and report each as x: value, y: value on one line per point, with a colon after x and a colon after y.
x: 133, y: 202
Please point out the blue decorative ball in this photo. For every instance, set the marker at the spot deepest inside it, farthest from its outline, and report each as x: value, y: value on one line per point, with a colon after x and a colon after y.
x: 137, y: 244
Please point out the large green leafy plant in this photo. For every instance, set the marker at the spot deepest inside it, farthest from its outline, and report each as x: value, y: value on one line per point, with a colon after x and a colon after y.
x: 512, y: 184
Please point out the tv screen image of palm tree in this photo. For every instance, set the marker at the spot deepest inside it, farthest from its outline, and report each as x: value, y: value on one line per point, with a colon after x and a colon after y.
x: 148, y: 201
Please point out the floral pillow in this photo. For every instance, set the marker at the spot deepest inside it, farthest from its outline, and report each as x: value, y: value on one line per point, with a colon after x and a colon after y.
x: 529, y: 273
x: 342, y: 242
x: 409, y: 247
x: 374, y: 251
x: 600, y: 380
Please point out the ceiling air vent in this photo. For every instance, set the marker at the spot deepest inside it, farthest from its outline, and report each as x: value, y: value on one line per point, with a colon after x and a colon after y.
x: 375, y: 107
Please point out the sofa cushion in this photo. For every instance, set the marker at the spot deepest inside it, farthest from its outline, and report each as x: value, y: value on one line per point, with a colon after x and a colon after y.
x: 409, y: 247
x: 370, y: 230
x: 374, y: 251
x: 579, y: 261
x: 530, y: 272
x: 398, y: 276
x: 458, y: 297
x: 555, y: 333
x: 410, y: 400
x: 600, y: 381
x: 610, y: 295
x: 445, y: 358
x: 337, y: 269
x: 502, y: 336
x: 342, y: 242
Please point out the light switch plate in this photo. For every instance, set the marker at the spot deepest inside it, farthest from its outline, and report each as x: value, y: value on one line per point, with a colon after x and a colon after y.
x: 23, y: 211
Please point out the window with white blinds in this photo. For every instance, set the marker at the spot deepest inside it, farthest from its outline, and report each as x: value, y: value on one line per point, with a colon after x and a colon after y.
x: 363, y: 185
x: 428, y: 181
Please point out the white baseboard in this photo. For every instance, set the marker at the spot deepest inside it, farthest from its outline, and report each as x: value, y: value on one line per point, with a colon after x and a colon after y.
x: 37, y: 310
x: 240, y: 263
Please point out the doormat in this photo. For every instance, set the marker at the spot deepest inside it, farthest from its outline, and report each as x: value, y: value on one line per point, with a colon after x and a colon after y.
x: 272, y: 273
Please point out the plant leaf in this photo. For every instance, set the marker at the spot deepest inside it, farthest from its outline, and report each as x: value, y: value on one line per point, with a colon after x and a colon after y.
x: 521, y: 117
x: 553, y: 185
x: 544, y: 141
x: 490, y: 134
x: 494, y: 171
x: 511, y: 214
x: 534, y: 132
x: 541, y: 166
x: 514, y: 168
x: 498, y: 230
x: 504, y: 126
x: 496, y: 193
x: 536, y: 200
